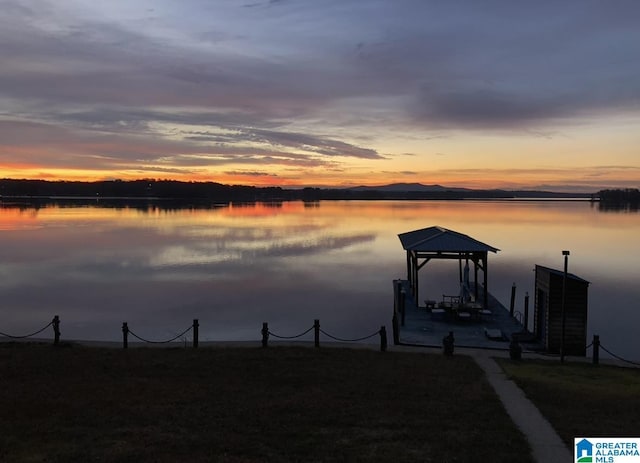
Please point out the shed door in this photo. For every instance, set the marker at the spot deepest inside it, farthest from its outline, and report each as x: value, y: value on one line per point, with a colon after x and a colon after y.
x: 542, y: 316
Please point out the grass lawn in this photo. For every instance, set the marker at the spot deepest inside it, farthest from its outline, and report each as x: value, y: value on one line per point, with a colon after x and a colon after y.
x: 581, y: 399
x: 278, y: 404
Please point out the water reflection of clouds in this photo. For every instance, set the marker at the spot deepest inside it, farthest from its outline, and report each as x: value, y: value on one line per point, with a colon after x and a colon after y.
x: 248, y: 250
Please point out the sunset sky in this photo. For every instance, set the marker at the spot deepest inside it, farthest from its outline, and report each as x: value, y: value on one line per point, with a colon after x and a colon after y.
x: 476, y: 94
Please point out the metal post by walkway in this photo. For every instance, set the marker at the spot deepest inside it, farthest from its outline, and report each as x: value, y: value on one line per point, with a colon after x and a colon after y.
x: 125, y: 334
x: 402, y: 306
x: 196, y: 325
x: 56, y: 330
x: 596, y: 349
x: 383, y: 339
x: 526, y: 311
x: 316, y: 332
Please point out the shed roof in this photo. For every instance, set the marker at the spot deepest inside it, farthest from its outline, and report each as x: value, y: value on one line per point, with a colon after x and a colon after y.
x: 560, y: 273
x: 434, y: 239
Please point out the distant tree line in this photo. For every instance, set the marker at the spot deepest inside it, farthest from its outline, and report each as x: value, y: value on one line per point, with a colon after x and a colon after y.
x: 145, y: 188
x: 207, y: 192
x: 620, y: 199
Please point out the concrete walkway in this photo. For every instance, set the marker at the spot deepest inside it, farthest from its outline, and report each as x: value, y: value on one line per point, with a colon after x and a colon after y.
x: 546, y: 445
x: 545, y: 442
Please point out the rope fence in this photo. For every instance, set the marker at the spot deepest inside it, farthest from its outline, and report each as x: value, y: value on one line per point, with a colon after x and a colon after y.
x: 140, y: 338
x: 266, y: 333
x: 56, y: 331
x: 595, y: 345
x: 26, y: 335
x: 618, y: 357
x: 514, y: 348
x: 350, y: 340
x: 126, y: 332
x: 290, y: 337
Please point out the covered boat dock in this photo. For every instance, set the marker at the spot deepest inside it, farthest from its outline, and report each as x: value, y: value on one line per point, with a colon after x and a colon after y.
x: 430, y: 243
x: 475, y: 317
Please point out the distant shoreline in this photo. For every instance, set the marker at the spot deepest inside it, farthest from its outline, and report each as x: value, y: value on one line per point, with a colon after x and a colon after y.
x: 162, y: 190
x: 153, y: 199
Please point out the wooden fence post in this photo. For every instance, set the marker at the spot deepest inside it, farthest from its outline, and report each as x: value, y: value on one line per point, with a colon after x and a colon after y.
x: 316, y: 329
x: 56, y: 330
x: 125, y: 334
x: 383, y: 339
x: 265, y: 334
x: 448, y: 344
x: 196, y: 325
x: 596, y: 349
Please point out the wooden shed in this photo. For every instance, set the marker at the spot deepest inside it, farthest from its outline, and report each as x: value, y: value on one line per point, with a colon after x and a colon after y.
x: 548, y: 311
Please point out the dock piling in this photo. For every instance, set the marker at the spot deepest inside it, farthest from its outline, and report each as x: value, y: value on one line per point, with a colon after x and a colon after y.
x: 526, y: 311
x: 513, y: 299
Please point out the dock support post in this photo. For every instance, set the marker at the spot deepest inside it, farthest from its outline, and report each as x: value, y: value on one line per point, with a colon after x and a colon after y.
x: 596, y: 349
x: 125, y: 334
x: 513, y: 299
x: 526, y: 311
x: 316, y: 332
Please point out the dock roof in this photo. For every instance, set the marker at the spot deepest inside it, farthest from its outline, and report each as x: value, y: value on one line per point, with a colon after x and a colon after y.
x: 439, y: 239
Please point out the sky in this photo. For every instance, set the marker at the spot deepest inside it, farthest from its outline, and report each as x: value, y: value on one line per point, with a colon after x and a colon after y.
x: 293, y: 93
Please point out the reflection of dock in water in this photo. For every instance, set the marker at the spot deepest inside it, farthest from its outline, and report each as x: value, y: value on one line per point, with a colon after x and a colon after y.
x: 490, y: 327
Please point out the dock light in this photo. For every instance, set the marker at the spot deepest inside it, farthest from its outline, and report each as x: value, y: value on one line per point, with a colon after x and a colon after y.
x: 563, y: 313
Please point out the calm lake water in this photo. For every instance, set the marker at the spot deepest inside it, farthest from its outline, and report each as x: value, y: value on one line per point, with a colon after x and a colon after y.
x: 236, y: 266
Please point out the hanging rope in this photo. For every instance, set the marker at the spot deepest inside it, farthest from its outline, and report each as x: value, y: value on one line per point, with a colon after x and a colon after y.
x: 290, y: 337
x: 618, y: 357
x: 26, y: 335
x: 160, y: 342
x: 349, y: 340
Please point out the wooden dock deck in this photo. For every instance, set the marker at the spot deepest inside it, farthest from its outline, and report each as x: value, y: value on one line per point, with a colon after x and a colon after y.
x: 492, y: 330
